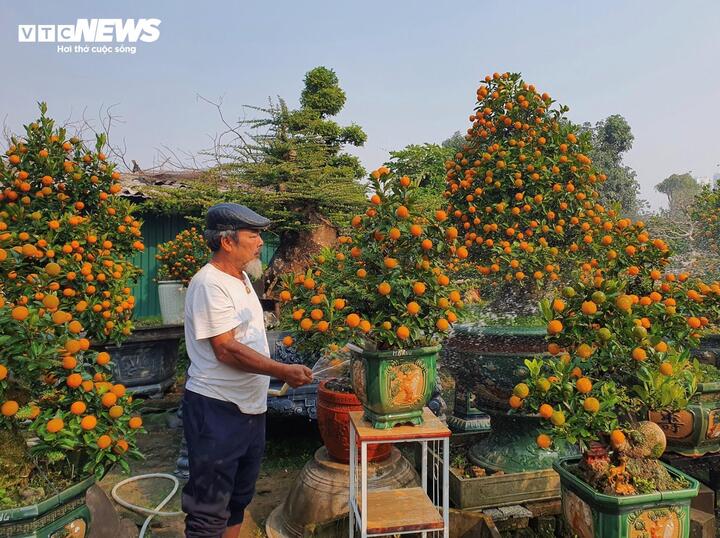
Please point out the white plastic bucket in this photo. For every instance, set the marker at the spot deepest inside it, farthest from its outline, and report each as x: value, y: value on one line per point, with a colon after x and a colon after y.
x: 172, y: 301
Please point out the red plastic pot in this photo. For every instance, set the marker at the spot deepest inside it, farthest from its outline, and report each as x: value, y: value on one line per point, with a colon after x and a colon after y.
x: 333, y: 417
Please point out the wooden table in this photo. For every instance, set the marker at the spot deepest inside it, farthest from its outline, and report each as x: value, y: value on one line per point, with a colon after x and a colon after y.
x: 423, y: 509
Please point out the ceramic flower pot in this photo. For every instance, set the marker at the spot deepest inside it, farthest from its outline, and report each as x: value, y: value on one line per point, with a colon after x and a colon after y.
x: 333, y: 417
x: 64, y: 514
x: 172, y: 301
x: 590, y: 514
x: 394, y: 385
x: 695, y: 430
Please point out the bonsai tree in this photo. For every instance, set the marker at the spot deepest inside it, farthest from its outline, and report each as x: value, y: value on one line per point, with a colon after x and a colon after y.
x: 290, y: 165
x: 65, y: 250
x: 65, y: 231
x: 385, y: 285
x: 182, y: 257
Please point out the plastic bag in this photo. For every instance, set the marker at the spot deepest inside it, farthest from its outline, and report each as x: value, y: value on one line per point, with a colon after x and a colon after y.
x: 330, y: 365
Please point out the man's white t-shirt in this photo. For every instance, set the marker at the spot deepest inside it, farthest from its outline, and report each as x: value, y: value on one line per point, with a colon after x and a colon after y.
x: 217, y: 302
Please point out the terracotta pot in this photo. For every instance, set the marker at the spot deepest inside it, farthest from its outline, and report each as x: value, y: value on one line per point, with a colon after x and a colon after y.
x: 333, y: 410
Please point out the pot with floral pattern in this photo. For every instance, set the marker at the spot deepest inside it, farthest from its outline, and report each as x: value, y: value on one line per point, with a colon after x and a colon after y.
x: 393, y: 385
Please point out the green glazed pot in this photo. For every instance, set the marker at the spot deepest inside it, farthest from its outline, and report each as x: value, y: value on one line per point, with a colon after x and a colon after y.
x: 64, y: 514
x: 695, y: 430
x: 511, y: 446
x: 395, y: 385
x: 489, y: 361
x: 590, y: 514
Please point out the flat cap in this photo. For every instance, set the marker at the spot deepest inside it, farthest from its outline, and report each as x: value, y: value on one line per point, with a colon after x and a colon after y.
x: 229, y: 216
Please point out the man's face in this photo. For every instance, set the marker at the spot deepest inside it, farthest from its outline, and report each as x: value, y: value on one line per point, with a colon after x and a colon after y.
x: 245, y: 248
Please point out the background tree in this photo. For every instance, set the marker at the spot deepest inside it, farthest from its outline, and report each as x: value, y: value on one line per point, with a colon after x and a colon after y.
x: 680, y: 189
x: 611, y: 139
x: 455, y: 142
x: 288, y: 164
x: 687, y: 225
x: 425, y: 163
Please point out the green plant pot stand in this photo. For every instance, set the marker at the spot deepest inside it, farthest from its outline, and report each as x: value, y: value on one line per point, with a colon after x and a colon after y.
x: 511, y: 446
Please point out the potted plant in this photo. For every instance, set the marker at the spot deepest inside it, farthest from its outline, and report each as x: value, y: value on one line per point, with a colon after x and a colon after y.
x: 385, y: 291
x: 180, y: 259
x: 523, y: 194
x: 335, y: 401
x: 693, y: 430
x: 617, y: 355
x: 65, y: 247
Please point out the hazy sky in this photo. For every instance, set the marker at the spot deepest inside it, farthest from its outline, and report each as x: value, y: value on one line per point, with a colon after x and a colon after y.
x: 410, y: 69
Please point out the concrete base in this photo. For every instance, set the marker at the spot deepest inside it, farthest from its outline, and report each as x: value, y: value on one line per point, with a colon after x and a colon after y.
x: 702, y: 524
x: 106, y: 523
x: 321, y: 491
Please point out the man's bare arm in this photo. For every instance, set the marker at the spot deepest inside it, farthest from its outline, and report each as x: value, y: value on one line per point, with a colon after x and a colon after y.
x: 231, y: 352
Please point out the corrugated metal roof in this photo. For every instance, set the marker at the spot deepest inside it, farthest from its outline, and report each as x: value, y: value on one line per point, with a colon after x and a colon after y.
x: 134, y: 184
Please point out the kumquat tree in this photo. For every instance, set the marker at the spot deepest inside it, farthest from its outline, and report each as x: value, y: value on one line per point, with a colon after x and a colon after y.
x: 65, y: 246
x: 385, y: 284
x: 523, y: 191
x: 619, y: 348
x: 705, y: 217
x: 182, y: 257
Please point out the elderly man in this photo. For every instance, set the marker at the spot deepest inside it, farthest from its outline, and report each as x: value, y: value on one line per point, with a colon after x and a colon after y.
x: 226, y: 391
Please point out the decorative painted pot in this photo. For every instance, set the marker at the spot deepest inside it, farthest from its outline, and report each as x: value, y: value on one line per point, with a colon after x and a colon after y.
x: 147, y: 361
x: 64, y: 514
x: 590, y: 514
x: 395, y: 385
x: 172, y: 301
x: 489, y: 361
x: 333, y: 418
x: 511, y: 445
x: 694, y: 431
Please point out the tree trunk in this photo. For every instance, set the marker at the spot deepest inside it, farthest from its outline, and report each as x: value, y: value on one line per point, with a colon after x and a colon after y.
x: 296, y: 250
x: 15, y: 462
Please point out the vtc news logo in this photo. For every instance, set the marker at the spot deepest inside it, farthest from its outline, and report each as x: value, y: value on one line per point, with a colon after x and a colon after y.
x: 92, y: 31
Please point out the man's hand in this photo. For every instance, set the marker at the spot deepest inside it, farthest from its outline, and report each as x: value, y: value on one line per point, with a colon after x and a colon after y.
x: 297, y: 375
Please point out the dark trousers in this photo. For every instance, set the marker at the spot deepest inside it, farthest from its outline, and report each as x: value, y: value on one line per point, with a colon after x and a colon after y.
x: 225, y: 448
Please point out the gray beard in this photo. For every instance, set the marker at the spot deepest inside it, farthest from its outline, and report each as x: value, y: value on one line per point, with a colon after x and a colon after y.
x: 254, y: 269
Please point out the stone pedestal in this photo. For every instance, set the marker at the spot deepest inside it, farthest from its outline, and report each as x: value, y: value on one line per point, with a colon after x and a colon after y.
x: 321, y: 491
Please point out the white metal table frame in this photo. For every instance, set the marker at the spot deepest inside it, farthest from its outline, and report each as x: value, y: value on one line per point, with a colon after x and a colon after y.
x: 439, y: 455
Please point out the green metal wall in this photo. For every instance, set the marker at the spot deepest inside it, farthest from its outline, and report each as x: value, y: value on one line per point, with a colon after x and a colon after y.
x: 159, y: 229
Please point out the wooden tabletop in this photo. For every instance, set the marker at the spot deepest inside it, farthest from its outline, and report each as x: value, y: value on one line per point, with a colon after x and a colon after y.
x: 401, y: 510
x: 431, y: 427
